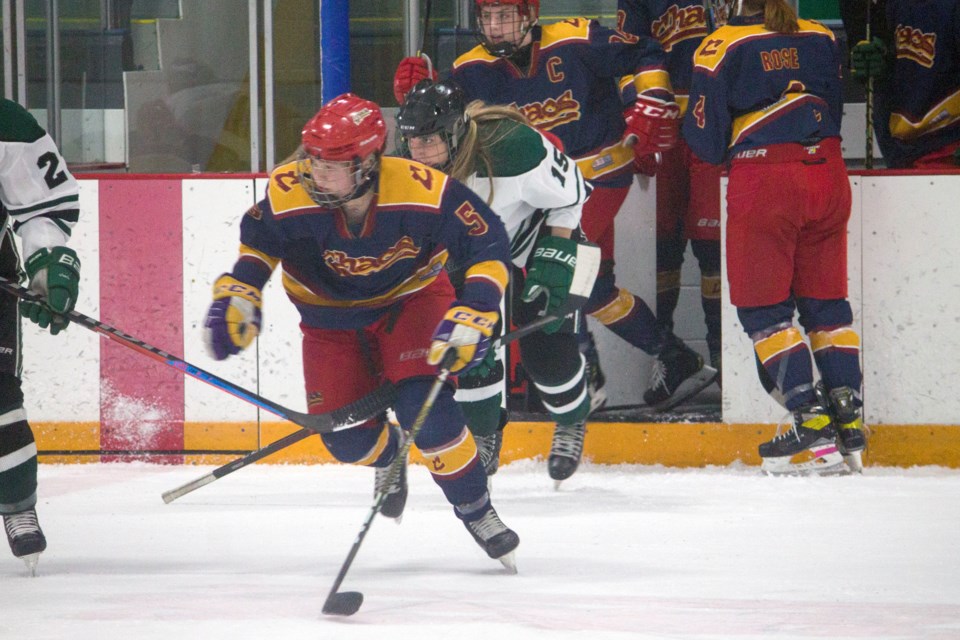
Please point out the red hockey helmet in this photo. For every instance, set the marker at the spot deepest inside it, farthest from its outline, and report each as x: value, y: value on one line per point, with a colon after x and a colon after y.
x: 506, y: 44
x: 348, y: 130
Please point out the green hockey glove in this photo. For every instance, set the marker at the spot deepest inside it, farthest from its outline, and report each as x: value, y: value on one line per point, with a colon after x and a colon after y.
x: 55, y: 275
x: 551, y: 274
x: 868, y: 59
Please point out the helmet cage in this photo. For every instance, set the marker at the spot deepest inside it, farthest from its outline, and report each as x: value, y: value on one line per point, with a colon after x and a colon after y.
x: 527, y: 15
x: 363, y: 172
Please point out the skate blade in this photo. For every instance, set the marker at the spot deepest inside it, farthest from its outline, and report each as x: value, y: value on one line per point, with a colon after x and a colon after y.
x: 597, y: 400
x: 689, y: 388
x: 853, y: 461
x: 556, y: 485
x: 509, y: 562
x: 31, y: 561
x: 825, y: 461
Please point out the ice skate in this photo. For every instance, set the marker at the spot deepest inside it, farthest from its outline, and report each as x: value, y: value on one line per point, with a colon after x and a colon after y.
x: 495, y: 538
x: 565, y: 451
x: 395, y: 490
x: 850, y: 435
x: 595, y: 378
x: 678, y: 374
x: 809, y: 448
x: 25, y: 537
x: 488, y: 447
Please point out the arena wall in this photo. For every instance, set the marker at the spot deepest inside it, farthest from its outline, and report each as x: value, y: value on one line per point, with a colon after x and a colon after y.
x: 152, y: 245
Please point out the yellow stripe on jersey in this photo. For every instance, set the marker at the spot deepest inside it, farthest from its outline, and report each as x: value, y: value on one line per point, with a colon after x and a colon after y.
x: 746, y: 123
x: 377, y: 449
x: 406, y: 182
x: 651, y: 80
x: 478, y: 53
x: 451, y: 458
x: 617, y: 310
x: 774, y: 345
x: 285, y: 193
x: 492, y: 271
x: 608, y: 160
x: 842, y: 338
x: 418, y: 280
x: 573, y: 30
x: 714, y: 48
x: 943, y: 114
x: 269, y: 261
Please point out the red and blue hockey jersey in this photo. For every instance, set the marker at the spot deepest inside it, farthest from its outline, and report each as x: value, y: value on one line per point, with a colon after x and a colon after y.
x: 678, y: 25
x: 343, y: 278
x: 752, y: 87
x: 925, y: 96
x: 573, y: 88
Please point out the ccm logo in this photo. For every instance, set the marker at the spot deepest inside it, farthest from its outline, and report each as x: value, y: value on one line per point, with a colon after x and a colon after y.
x: 416, y: 354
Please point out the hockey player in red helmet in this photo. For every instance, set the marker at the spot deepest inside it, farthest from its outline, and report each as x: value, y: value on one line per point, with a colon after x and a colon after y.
x: 362, y: 241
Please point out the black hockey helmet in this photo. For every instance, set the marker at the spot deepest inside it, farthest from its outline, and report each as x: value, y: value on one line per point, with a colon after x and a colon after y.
x: 433, y: 108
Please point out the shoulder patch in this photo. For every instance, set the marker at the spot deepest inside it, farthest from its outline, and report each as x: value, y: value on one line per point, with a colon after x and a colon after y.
x: 714, y: 48
x: 408, y: 183
x: 565, y: 31
x: 285, y: 192
x: 477, y: 54
x: 17, y: 125
x: 816, y: 27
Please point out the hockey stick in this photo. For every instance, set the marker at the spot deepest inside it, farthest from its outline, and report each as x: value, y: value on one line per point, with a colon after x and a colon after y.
x: 868, y: 157
x: 319, y: 423
x: 347, y: 603
x: 369, y: 406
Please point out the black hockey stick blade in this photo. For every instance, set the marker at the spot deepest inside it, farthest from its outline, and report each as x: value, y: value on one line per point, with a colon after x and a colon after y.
x: 345, y: 603
x: 320, y: 423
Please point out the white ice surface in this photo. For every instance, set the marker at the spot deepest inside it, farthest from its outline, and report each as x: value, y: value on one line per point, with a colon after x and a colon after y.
x: 618, y: 552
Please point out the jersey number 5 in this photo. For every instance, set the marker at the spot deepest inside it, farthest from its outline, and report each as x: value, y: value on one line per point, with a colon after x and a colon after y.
x: 469, y: 216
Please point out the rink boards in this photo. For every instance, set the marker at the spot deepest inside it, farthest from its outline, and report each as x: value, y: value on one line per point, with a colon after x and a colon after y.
x: 152, y: 247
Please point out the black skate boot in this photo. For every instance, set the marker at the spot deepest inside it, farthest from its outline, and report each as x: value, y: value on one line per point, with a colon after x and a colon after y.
x: 850, y: 439
x: 488, y: 447
x: 394, y: 488
x: 809, y: 448
x: 565, y: 451
x: 678, y: 374
x: 494, y: 537
x: 25, y: 537
x: 595, y: 377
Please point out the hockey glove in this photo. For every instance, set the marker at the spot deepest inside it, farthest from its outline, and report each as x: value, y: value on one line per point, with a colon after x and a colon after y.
x: 55, y: 275
x: 482, y: 369
x: 409, y: 72
x: 468, y: 331
x: 647, y: 165
x: 550, y: 275
x: 868, y: 59
x: 652, y: 125
x: 234, y: 319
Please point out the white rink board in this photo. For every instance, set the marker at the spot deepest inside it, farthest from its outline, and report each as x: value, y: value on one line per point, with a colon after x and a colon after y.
x: 61, y: 374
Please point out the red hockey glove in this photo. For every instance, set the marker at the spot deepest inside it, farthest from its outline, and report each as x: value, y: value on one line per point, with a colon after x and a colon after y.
x: 409, y: 72
x: 653, y: 125
x: 647, y: 165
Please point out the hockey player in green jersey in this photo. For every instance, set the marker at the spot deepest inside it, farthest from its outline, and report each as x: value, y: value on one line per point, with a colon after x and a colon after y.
x: 538, y: 192
x: 39, y: 201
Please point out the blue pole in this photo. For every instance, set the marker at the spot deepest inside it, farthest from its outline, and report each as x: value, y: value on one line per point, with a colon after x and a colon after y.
x: 334, y: 48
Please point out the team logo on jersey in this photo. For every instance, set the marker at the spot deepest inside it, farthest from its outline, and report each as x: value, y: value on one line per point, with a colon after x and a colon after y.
x: 346, y: 265
x: 255, y: 212
x: 552, y: 112
x: 677, y: 24
x: 914, y: 44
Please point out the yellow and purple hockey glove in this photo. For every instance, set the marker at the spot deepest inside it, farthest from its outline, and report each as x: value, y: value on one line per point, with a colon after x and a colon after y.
x: 468, y: 331
x: 234, y: 318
